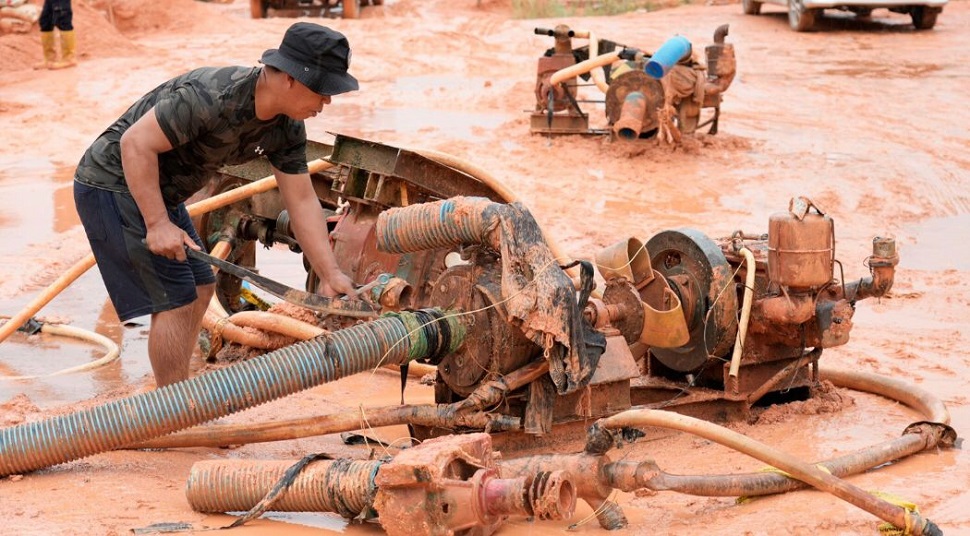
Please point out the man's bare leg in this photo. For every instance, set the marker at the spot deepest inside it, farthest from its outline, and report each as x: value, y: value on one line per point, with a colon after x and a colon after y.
x: 172, y: 337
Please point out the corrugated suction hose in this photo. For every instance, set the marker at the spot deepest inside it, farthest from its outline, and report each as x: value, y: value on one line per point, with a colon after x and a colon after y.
x: 439, y: 224
x: 392, y: 339
x: 344, y: 487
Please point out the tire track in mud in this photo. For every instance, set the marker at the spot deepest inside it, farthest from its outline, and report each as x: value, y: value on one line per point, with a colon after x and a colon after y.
x: 929, y: 168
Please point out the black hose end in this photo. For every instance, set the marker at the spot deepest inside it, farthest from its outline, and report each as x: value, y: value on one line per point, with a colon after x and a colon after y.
x: 629, y: 54
x: 599, y: 440
x: 31, y: 327
x: 437, y: 332
x: 930, y: 529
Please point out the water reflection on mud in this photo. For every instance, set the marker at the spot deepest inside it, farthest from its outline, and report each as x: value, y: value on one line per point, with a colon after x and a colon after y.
x: 83, y: 305
x: 43, y: 193
x: 940, y: 244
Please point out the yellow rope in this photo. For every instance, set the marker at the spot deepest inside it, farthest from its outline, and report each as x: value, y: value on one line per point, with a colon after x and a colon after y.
x: 248, y: 296
x: 744, y: 498
x: 885, y: 528
x: 215, y: 337
x: 888, y: 529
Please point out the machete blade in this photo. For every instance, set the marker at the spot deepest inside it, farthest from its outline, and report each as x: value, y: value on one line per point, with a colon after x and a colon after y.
x: 322, y: 304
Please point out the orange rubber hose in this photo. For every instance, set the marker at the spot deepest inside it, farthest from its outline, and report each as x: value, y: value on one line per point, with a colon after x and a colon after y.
x: 82, y: 266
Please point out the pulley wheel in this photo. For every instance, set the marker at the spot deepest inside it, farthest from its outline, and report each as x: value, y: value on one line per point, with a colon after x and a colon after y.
x: 697, y: 270
x: 465, y: 369
x: 627, y: 83
x: 243, y: 253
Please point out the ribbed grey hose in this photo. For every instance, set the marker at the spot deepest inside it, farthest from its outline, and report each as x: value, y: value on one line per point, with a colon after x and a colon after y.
x: 393, y: 339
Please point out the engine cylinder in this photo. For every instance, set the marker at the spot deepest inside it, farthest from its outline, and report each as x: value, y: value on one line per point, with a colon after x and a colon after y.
x: 800, y: 251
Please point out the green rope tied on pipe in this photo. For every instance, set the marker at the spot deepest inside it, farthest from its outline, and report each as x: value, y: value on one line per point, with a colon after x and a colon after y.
x: 419, y: 343
x: 429, y: 327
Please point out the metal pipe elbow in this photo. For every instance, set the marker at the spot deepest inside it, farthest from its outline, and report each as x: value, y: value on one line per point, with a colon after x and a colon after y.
x: 882, y: 266
x: 721, y: 68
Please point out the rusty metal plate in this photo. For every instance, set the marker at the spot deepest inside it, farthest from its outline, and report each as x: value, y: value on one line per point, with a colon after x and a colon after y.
x: 431, y: 176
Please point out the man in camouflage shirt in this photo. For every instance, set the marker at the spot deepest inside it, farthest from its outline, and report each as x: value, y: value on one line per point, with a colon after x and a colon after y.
x: 131, y: 184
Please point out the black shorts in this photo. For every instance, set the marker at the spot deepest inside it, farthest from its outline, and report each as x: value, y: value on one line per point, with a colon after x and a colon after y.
x: 138, y: 281
x: 56, y: 13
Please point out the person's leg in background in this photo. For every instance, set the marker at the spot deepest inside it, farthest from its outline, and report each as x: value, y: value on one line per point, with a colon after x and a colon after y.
x: 64, y: 20
x: 47, y: 41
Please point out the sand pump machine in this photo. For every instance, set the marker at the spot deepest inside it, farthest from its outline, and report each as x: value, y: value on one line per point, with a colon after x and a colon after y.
x: 646, y: 95
x: 719, y: 322
x: 528, y: 348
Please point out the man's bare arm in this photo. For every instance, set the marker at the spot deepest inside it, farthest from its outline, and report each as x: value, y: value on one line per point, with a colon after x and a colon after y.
x: 310, y: 227
x: 140, y: 146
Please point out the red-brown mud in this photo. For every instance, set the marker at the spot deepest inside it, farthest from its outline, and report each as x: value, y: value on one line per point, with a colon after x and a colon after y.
x: 868, y: 118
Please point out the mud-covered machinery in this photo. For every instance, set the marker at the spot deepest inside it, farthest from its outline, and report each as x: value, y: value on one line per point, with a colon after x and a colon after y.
x: 646, y: 94
x: 347, y: 9
x: 683, y: 321
x: 524, y: 347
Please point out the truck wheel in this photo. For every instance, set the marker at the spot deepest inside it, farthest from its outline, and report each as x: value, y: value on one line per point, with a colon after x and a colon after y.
x: 799, y: 18
x: 924, y: 18
x: 351, y: 9
x: 751, y: 7
x: 257, y: 8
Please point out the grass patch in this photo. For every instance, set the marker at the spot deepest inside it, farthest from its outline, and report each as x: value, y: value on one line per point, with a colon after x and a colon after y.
x: 546, y: 9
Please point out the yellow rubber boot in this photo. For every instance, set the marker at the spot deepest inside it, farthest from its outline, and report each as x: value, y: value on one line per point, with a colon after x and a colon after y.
x: 50, y: 54
x: 67, y: 51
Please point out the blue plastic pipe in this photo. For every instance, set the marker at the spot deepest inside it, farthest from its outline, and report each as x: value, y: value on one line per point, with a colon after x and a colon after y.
x: 675, y: 49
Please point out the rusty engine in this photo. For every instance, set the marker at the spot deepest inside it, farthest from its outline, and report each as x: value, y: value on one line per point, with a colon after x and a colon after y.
x: 659, y: 94
x: 683, y: 320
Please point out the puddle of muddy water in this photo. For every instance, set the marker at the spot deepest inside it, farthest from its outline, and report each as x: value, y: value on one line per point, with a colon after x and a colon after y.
x: 457, y: 124
x: 84, y: 304
x: 940, y: 245
x: 44, y: 192
x: 330, y: 522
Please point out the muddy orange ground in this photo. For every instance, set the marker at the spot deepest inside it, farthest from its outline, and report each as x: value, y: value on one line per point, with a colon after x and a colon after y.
x: 868, y: 118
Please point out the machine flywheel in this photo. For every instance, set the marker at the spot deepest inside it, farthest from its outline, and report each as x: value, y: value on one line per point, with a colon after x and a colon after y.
x: 697, y: 270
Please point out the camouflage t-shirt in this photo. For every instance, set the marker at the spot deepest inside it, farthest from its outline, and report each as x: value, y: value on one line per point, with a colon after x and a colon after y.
x: 209, y: 116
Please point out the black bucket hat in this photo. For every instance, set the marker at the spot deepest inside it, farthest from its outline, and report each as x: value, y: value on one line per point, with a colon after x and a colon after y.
x: 316, y: 56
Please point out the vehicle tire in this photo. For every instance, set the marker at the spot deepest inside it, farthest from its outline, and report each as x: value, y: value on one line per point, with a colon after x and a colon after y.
x: 257, y: 8
x: 924, y: 18
x: 351, y: 9
x: 799, y: 18
x: 751, y: 7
